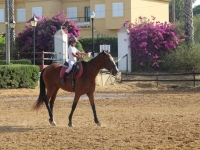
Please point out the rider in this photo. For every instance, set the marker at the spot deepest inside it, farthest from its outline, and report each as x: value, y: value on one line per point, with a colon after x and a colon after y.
x: 73, y: 54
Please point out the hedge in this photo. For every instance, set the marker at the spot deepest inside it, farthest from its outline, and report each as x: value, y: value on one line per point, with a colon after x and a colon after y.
x: 22, y: 61
x: 19, y: 76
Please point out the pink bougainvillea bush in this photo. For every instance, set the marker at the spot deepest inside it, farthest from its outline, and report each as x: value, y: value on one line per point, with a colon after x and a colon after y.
x: 44, y: 31
x: 149, y: 40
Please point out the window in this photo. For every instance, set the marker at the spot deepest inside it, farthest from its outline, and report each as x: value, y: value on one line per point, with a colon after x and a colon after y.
x: 117, y: 9
x: 100, y: 11
x: 37, y: 11
x: 87, y: 14
x: 72, y: 13
x: 21, y: 15
x: 1, y: 15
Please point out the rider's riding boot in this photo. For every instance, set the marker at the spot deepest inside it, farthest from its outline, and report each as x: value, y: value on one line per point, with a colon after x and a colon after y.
x: 64, y: 77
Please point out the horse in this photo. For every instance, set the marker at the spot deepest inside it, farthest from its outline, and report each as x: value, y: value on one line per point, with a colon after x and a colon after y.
x: 50, y: 83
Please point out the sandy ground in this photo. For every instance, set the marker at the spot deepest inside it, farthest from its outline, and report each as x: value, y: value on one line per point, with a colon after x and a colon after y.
x: 151, y: 118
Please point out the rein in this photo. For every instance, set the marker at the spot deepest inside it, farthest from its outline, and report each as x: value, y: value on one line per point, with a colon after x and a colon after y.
x: 91, y: 66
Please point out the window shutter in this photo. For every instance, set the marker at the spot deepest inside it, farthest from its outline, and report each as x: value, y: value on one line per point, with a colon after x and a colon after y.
x: 37, y: 11
x: 100, y: 11
x: 1, y: 15
x: 97, y: 11
x: 21, y: 15
x: 103, y: 11
x: 115, y: 9
x: 121, y: 9
x: 118, y: 9
x: 72, y: 13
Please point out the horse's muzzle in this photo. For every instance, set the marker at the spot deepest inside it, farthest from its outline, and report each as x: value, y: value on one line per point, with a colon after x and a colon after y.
x: 115, y: 72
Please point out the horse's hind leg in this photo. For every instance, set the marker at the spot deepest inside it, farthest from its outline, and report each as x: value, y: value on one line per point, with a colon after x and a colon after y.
x: 53, y: 97
x: 76, y: 98
x: 46, y: 101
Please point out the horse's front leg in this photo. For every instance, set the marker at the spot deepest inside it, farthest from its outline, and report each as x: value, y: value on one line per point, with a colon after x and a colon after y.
x: 91, y: 98
x: 76, y: 98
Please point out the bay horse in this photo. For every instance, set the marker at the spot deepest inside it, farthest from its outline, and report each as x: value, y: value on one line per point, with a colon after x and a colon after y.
x: 50, y: 83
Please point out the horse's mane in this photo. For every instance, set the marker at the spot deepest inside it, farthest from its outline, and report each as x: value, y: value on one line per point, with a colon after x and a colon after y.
x: 98, y: 55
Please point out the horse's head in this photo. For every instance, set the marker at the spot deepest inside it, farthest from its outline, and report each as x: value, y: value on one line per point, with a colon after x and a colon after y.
x: 109, y: 63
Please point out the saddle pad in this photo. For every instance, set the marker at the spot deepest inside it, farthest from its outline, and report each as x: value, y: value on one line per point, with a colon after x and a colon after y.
x: 78, y: 74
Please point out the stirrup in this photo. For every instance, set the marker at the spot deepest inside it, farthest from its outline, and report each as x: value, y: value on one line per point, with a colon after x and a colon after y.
x: 64, y: 78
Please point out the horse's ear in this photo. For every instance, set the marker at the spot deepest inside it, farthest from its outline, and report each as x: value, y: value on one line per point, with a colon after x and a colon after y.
x: 104, y: 51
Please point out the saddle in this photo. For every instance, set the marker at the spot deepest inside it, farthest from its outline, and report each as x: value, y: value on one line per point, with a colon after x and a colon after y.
x: 77, y: 70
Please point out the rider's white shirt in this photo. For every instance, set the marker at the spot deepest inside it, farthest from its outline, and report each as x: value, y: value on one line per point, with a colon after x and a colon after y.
x: 71, y: 50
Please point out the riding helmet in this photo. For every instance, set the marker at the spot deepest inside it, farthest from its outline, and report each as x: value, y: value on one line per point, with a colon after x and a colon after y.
x: 73, y: 39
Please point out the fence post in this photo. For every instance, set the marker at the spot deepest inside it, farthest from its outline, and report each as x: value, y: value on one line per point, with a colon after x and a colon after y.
x: 194, y: 79
x: 43, y: 58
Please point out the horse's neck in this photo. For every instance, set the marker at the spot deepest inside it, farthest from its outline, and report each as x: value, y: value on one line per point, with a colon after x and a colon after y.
x: 95, y: 64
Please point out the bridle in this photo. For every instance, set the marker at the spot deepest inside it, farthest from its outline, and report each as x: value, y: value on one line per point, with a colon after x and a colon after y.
x: 111, y: 67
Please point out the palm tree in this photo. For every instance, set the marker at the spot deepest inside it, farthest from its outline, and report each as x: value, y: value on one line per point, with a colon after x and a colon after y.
x: 189, y: 28
x: 12, y: 31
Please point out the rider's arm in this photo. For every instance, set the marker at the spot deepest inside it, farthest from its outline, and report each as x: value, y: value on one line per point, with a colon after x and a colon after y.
x: 75, y: 55
x: 82, y: 53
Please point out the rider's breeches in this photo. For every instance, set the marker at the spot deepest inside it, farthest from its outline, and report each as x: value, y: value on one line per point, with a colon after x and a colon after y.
x: 70, y: 66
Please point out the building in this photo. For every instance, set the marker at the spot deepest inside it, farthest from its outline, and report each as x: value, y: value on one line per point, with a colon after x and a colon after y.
x: 109, y: 14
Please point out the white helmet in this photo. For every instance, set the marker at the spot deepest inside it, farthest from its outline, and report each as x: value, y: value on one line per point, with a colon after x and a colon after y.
x: 73, y: 39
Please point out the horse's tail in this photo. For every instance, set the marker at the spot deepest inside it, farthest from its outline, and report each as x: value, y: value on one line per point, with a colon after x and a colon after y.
x: 42, y: 94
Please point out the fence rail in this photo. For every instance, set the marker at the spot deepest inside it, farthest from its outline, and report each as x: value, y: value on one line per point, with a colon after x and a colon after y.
x: 157, y: 75
x: 42, y: 57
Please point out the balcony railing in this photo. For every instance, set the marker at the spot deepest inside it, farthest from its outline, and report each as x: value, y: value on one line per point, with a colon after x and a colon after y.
x: 83, y: 22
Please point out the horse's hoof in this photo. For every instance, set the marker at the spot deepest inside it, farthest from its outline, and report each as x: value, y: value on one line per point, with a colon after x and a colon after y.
x: 53, y: 123
x: 98, y: 124
x: 70, y: 125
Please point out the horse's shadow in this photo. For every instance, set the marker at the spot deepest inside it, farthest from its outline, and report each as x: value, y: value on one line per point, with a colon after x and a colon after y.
x: 7, y: 129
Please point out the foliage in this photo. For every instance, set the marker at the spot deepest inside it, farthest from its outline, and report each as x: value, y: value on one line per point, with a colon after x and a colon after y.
x: 19, y: 76
x: 2, y: 43
x: 196, y: 22
x: 44, y: 32
x: 150, y: 39
x: 79, y: 46
x: 112, y: 41
x: 179, y: 6
x: 185, y: 58
x: 22, y: 61
x: 196, y: 10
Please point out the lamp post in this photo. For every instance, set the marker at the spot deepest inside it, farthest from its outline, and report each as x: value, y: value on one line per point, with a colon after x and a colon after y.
x: 33, y: 24
x: 12, y: 26
x: 92, y: 17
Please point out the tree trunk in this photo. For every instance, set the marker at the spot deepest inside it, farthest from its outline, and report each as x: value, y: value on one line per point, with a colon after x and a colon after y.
x: 189, y: 28
x: 12, y: 31
x: 173, y: 11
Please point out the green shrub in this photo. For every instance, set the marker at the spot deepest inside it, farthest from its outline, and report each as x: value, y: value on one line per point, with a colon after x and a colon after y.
x: 185, y: 58
x: 19, y: 76
x: 22, y: 61
x: 2, y: 42
x: 112, y: 41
